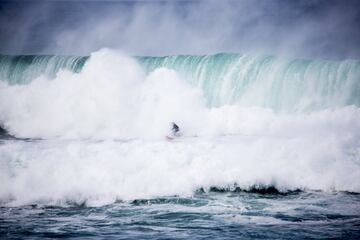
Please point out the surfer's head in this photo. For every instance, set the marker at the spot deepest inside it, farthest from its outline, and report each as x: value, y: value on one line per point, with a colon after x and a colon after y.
x: 175, y: 127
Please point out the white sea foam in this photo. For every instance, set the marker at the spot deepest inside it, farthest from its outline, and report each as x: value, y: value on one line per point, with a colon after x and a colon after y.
x: 111, y: 97
x: 86, y: 117
x: 100, y: 172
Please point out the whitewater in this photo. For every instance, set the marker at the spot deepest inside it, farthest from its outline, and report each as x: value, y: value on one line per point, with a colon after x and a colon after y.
x: 266, y: 140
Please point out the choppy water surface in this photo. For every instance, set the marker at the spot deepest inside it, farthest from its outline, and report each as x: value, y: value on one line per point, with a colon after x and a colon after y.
x: 220, y: 215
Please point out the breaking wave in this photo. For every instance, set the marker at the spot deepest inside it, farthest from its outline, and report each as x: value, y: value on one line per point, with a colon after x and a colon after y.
x: 246, y: 120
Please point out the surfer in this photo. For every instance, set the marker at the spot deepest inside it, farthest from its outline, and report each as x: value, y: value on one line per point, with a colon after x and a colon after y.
x: 175, y: 132
x: 2, y: 130
x: 4, y: 133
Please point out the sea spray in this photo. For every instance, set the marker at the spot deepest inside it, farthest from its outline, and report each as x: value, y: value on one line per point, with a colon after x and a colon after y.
x: 102, y: 131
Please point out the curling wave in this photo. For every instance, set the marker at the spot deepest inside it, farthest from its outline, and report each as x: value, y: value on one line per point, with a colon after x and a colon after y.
x: 265, y: 81
x: 291, y: 125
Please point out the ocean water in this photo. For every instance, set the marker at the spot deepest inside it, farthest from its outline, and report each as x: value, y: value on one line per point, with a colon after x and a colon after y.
x: 270, y: 147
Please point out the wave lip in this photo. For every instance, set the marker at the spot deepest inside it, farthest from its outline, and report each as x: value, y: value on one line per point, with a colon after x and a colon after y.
x: 23, y: 69
x: 247, y: 80
x: 267, y: 81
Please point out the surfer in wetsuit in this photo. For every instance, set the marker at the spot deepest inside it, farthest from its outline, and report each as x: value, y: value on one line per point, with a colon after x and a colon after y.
x: 2, y: 130
x: 175, y: 130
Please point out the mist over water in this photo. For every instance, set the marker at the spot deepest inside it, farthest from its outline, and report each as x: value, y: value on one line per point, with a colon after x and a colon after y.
x: 326, y: 29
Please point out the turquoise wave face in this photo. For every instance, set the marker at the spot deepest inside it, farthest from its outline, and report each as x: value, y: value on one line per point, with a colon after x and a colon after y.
x: 23, y: 69
x: 267, y: 81
x: 233, y: 79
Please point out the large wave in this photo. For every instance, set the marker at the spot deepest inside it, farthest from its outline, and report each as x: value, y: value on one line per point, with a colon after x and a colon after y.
x: 258, y: 121
x: 112, y: 95
x: 247, y: 80
x: 267, y: 81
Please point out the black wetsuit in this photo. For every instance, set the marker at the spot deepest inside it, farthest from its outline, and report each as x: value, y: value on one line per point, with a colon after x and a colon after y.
x: 175, y: 128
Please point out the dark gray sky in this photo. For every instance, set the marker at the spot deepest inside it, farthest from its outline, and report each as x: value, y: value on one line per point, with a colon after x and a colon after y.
x: 328, y: 29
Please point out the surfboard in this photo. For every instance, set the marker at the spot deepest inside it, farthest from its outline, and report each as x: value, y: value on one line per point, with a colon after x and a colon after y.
x: 169, y: 138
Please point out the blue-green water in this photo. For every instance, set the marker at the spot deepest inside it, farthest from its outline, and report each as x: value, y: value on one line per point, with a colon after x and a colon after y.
x: 25, y: 68
x: 228, y: 215
x: 247, y: 80
x: 284, y: 84
x: 270, y: 147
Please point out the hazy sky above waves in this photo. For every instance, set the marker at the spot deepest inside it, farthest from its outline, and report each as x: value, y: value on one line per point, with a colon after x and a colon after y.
x: 302, y: 28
